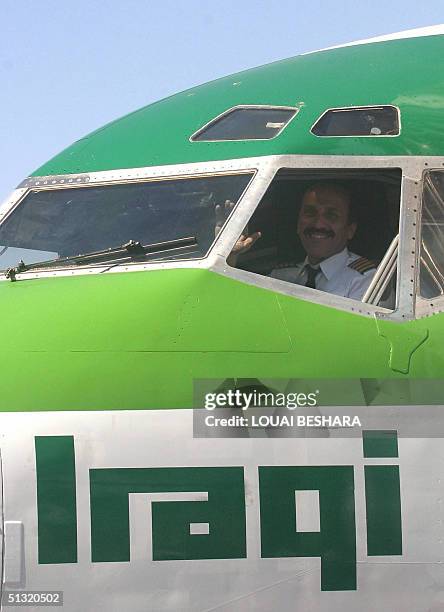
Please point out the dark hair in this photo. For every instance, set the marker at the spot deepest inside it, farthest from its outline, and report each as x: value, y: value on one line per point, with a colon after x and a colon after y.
x: 340, y: 189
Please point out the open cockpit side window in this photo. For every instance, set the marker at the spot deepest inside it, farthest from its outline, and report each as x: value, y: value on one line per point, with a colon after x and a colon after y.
x: 334, y: 231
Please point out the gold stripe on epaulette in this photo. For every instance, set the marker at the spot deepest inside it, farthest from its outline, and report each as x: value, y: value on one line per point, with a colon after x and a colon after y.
x: 362, y: 265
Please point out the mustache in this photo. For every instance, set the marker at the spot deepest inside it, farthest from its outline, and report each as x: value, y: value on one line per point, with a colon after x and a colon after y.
x: 309, y: 231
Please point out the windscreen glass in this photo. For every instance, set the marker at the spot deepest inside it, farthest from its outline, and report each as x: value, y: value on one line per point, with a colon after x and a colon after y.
x: 367, y: 121
x: 431, y: 281
x: 247, y: 124
x: 62, y: 223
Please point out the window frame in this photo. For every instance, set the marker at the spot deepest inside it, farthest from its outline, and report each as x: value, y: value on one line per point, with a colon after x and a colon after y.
x: 351, y: 108
x: 109, y: 178
x: 406, y: 266
x: 383, y: 275
x: 296, y: 110
x: 265, y: 169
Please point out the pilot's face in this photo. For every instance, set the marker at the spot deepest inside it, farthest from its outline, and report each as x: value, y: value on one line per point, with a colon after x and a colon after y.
x: 323, y: 224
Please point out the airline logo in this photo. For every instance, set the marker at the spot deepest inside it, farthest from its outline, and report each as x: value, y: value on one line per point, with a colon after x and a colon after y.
x: 223, y: 511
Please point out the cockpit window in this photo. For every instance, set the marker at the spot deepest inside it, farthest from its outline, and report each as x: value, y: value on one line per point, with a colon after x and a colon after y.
x: 161, y: 220
x: 363, y: 121
x: 431, y: 280
x: 328, y: 230
x: 246, y: 123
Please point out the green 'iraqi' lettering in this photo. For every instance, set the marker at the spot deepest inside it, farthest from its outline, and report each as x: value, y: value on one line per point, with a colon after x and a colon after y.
x: 335, y: 543
x: 56, y: 499
x: 223, y: 511
x: 382, y: 494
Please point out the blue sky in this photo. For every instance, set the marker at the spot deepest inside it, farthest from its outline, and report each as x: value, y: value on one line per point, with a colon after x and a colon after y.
x: 67, y: 67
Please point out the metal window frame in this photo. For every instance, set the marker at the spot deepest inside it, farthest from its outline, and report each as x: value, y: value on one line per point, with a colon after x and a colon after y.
x: 296, y: 110
x: 383, y: 274
x: 351, y: 108
x: 128, y: 176
x: 265, y: 169
x: 404, y: 309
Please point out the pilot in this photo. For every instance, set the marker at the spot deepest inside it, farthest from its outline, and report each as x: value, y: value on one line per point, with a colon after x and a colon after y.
x: 326, y: 224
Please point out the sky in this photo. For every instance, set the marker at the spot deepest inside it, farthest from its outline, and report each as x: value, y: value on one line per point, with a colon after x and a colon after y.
x: 67, y: 67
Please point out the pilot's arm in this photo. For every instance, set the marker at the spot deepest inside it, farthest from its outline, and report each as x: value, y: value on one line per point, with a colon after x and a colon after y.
x: 245, y: 240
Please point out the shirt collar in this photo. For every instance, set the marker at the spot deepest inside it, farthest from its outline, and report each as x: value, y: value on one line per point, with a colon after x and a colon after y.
x: 329, y: 267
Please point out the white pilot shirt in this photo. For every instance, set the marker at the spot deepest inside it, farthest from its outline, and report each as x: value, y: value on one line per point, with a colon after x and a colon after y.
x: 335, y: 275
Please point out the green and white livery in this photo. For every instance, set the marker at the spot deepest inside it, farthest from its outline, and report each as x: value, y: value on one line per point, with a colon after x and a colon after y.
x: 118, y: 295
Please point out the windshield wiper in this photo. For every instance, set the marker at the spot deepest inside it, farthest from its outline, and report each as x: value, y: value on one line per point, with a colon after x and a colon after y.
x: 132, y: 249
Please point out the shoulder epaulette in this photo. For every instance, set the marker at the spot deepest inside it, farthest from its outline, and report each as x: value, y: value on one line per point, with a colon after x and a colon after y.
x: 362, y: 265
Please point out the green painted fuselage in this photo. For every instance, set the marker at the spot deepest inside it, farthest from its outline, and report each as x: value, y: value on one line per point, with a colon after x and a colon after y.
x: 138, y: 340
